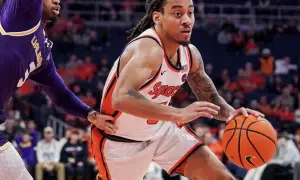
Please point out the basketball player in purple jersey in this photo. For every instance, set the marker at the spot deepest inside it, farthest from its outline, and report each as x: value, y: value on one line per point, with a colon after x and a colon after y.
x: 25, y: 53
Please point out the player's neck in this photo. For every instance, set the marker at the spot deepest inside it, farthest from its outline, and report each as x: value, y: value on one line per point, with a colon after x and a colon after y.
x: 169, y: 46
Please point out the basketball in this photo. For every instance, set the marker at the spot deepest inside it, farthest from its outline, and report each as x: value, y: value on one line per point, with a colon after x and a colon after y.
x: 249, y: 142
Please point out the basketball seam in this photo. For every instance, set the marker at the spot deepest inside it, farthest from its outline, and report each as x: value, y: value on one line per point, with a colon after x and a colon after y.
x: 254, y: 146
x: 254, y: 132
x: 231, y: 135
x: 252, y: 143
x: 239, y: 142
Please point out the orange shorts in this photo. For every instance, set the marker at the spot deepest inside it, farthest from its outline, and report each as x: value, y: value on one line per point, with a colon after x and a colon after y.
x: 130, y: 161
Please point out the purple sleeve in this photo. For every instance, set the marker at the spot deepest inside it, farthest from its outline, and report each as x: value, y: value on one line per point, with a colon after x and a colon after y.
x: 21, y: 15
x: 53, y: 85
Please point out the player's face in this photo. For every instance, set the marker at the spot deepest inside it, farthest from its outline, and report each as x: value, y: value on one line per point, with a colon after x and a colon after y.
x: 178, y: 20
x: 51, y: 9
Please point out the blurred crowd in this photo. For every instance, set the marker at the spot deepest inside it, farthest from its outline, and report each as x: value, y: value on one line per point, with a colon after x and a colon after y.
x: 251, y: 40
x: 46, y: 157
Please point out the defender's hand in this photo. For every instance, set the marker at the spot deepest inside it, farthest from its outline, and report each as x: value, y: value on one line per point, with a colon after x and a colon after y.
x: 102, y: 122
x: 198, y: 109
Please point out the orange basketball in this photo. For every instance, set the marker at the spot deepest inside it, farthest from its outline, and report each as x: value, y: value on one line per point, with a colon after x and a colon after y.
x: 249, y: 142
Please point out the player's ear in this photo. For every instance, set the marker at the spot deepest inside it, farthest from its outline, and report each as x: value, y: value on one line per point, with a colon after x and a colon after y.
x: 156, y: 16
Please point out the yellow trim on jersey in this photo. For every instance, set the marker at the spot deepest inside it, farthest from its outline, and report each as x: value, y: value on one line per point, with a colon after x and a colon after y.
x: 2, y: 148
x: 21, y: 33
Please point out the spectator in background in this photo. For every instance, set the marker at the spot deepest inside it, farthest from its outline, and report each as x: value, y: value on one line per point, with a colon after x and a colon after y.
x: 104, y: 62
x: 224, y: 37
x: 276, y: 86
x: 74, y: 155
x: 286, y: 114
x: 285, y: 99
x: 80, y: 72
x: 284, y: 66
x: 291, y: 27
x: 201, y: 130
x: 72, y: 63
x: 264, y: 107
x: 62, y: 71
x: 244, y: 82
x: 89, y: 67
x: 37, y: 98
x: 10, y: 129
x: 254, y: 77
x: 89, y: 99
x: 107, y: 10
x: 264, y: 3
x: 287, y: 155
x: 284, y: 160
x: 223, y: 81
x: 297, y: 139
x: 251, y: 48
x: 238, y: 40
x: 65, y: 139
x: 254, y: 105
x: 48, y: 155
x: 209, y: 70
x: 26, y: 149
x: 296, y: 82
x: 128, y: 6
x: 77, y: 21
x: 266, y: 62
x: 214, y: 145
x: 34, y: 134
x: 229, y: 25
x: 297, y: 111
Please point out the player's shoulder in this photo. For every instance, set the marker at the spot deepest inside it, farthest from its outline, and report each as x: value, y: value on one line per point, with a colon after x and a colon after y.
x: 196, y: 57
x: 194, y: 51
x: 147, y: 51
x: 149, y: 46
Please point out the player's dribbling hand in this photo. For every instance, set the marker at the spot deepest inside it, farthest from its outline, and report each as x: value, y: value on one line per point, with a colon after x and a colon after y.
x: 199, y: 109
x: 102, y: 122
x: 245, y: 112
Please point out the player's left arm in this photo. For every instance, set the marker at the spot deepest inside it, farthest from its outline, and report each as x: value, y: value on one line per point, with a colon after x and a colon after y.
x: 204, y: 89
x: 51, y: 83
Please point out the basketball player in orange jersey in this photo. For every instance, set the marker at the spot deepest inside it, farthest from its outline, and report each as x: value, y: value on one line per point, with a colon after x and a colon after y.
x: 152, y: 67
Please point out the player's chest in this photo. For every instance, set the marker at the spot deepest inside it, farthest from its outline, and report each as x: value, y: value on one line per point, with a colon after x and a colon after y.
x: 37, y: 55
x: 166, y: 84
x: 40, y: 49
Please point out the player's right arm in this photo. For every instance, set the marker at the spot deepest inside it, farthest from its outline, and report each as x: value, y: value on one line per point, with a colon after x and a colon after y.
x: 20, y: 16
x: 143, y: 64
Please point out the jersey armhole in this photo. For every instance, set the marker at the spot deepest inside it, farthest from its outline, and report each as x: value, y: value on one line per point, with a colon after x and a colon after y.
x: 190, y: 56
x: 146, y: 36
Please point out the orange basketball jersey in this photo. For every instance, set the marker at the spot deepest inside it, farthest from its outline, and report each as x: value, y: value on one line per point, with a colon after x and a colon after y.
x: 158, y: 89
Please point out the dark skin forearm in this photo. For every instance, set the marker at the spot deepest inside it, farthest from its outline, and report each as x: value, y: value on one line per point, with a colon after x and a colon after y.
x: 205, y: 90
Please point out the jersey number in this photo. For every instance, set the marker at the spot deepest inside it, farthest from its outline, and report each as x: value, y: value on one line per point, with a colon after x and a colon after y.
x: 151, y: 121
